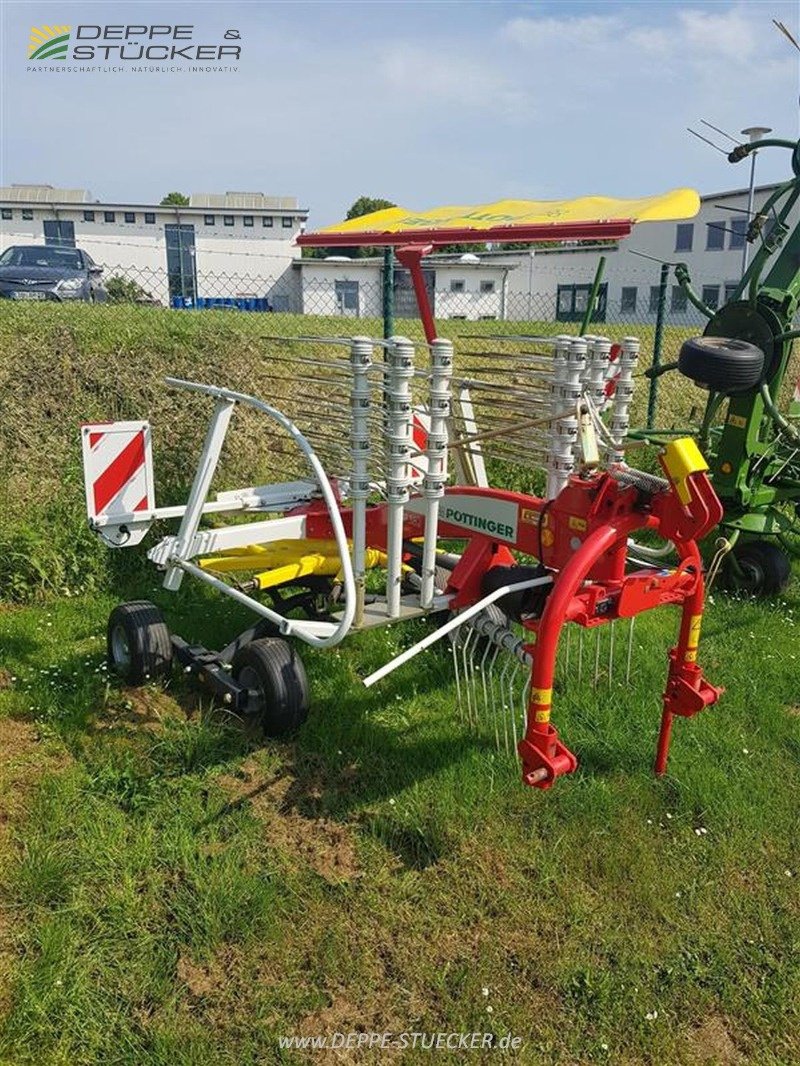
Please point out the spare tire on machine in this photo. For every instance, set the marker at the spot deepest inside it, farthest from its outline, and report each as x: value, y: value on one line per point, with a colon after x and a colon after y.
x: 722, y: 364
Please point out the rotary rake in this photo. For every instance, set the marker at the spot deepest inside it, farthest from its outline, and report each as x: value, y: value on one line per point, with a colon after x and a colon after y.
x: 363, y: 545
x: 392, y: 515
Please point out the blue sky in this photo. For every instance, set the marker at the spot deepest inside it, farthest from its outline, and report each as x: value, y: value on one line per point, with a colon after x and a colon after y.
x: 423, y: 103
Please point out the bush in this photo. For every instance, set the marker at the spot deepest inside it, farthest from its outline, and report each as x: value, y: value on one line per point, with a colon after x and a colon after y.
x: 123, y: 290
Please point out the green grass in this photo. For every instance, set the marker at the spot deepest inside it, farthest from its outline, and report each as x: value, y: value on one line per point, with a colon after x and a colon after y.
x: 64, y: 365
x: 179, y: 891
x: 176, y: 890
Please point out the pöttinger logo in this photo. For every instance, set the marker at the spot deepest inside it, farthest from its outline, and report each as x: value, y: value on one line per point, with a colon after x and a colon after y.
x: 48, y: 42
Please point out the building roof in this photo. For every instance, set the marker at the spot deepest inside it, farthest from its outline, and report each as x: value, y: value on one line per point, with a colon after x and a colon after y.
x: 44, y: 194
x: 741, y: 192
x: 256, y: 200
x: 228, y: 201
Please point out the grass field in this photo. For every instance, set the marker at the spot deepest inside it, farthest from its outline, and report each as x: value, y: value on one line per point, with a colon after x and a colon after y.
x: 176, y: 890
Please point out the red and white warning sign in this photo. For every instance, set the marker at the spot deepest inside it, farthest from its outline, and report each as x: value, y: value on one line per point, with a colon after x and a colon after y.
x: 117, y: 470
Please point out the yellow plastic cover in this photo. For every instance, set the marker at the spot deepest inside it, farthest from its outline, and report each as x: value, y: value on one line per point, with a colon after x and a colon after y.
x: 668, y: 206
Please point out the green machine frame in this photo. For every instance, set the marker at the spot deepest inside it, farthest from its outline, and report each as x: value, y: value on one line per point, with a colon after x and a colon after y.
x: 754, y: 454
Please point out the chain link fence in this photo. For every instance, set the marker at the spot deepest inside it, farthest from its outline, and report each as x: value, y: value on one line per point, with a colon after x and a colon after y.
x: 315, y: 297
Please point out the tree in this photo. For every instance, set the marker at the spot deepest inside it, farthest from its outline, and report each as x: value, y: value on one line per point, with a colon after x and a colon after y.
x: 364, y: 205
x: 179, y: 199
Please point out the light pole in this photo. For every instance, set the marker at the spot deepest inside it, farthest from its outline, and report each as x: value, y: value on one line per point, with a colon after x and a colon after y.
x: 755, y: 133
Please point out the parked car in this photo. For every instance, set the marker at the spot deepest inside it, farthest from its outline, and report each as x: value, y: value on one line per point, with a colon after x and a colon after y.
x: 47, y: 272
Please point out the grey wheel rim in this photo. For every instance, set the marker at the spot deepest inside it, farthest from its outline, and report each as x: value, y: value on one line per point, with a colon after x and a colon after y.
x: 120, y: 649
x: 249, y: 679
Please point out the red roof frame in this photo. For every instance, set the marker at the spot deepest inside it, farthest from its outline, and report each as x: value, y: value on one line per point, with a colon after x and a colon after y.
x: 613, y: 229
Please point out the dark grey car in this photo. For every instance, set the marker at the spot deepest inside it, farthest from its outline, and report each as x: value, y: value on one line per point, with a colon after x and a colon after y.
x: 45, y: 272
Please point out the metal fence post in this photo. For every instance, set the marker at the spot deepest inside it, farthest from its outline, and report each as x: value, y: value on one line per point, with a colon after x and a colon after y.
x: 658, y: 339
x: 388, y: 293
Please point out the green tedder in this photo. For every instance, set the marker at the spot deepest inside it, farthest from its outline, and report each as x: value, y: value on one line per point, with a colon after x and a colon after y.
x: 742, y: 359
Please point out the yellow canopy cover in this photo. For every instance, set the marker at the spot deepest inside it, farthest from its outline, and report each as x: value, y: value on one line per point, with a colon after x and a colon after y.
x: 673, y: 205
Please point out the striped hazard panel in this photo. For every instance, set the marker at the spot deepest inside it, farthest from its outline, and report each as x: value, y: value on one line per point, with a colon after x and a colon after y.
x: 117, y: 469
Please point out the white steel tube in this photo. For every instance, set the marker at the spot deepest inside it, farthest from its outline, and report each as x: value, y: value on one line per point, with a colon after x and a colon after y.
x: 398, y: 436
x: 436, y: 454
x: 453, y: 623
x: 569, y: 364
x: 623, y: 395
x: 340, y: 536
x: 209, y: 457
x: 360, y: 363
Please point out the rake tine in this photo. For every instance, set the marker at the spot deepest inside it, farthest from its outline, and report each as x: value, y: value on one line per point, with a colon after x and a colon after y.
x: 580, y: 655
x: 508, y: 708
x: 453, y: 643
x: 526, y: 687
x: 611, y: 653
x: 467, y: 679
x: 596, y: 657
x: 567, y: 649
x: 630, y: 651
x: 487, y: 702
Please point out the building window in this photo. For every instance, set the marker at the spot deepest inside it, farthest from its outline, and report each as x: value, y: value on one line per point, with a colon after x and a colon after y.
x: 627, y: 303
x: 27, y: 214
x: 456, y: 285
x: 227, y: 220
x: 730, y: 289
x: 7, y: 213
x: 129, y: 216
x: 248, y: 221
x: 267, y: 221
x: 287, y: 223
x: 655, y: 293
x: 684, y: 236
x: 109, y: 216
x: 715, y: 236
x: 711, y: 296
x: 487, y: 286
x: 678, y: 299
x: 208, y: 220
x: 738, y: 233
x: 150, y: 218
x: 572, y: 303
x: 88, y: 216
x: 346, y: 297
x: 59, y: 233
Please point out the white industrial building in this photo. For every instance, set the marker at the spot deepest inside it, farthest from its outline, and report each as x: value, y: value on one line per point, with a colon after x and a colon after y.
x: 554, y: 283
x: 241, y: 245
x: 205, y: 248
x: 466, y: 287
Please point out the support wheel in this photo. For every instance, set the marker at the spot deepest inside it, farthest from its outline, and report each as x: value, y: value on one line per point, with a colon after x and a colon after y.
x: 765, y: 568
x: 724, y: 364
x: 138, y: 644
x: 274, y: 674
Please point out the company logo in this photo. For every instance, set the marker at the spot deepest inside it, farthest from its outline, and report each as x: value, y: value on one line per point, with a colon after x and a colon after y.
x: 48, y: 42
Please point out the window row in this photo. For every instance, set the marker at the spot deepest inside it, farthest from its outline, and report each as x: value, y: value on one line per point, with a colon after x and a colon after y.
x: 458, y: 285
x: 735, y: 228
x: 129, y: 217
x: 678, y: 300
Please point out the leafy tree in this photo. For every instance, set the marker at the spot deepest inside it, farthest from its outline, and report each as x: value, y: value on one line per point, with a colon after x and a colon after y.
x: 364, y: 205
x: 179, y: 199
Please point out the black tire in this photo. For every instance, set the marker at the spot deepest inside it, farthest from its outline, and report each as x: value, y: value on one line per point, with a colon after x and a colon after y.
x: 138, y: 644
x: 723, y: 364
x: 766, y: 569
x: 274, y: 673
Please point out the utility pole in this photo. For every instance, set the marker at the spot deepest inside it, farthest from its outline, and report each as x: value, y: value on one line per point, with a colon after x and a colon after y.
x: 755, y: 133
